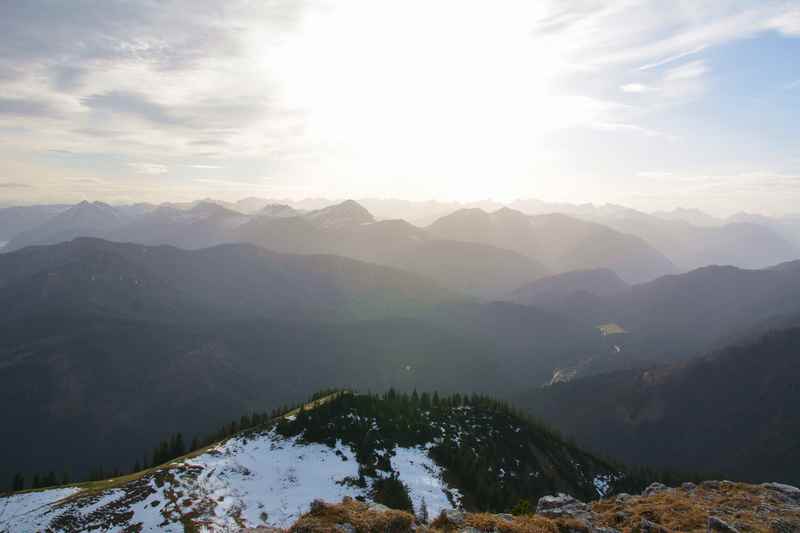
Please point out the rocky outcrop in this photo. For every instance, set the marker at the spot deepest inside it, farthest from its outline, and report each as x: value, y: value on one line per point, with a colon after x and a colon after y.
x: 563, y: 505
x: 711, y: 506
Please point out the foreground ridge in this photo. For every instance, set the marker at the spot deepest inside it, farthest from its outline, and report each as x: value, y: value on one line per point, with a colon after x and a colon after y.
x: 420, y: 453
x: 712, y: 506
x: 440, y: 463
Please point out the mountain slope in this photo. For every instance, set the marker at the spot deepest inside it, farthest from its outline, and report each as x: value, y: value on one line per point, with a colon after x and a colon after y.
x: 234, y: 280
x: 551, y: 290
x: 396, y: 449
x: 679, y: 316
x: 203, y: 225
x: 745, y: 245
x: 472, y: 268
x: 560, y: 242
x: 732, y: 412
x: 82, y: 220
x: 101, y: 338
x: 15, y: 220
x: 349, y: 230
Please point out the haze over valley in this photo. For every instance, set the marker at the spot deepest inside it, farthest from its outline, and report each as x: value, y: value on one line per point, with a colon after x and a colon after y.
x: 369, y: 267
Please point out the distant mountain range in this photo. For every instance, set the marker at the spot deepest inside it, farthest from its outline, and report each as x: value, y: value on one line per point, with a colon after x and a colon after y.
x: 691, y: 238
x: 553, y: 238
x: 482, y: 254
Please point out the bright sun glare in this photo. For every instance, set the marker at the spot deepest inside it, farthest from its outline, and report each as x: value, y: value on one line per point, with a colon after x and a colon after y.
x: 431, y: 88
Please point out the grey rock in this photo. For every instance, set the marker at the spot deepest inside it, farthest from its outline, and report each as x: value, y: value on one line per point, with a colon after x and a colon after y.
x: 651, y: 527
x: 505, y: 516
x: 717, y: 524
x: 454, y: 516
x: 470, y: 529
x: 563, y: 505
x: 654, y: 488
x: 689, y: 487
x: 787, y: 490
x: 347, y: 527
x: 557, y: 501
x: 784, y: 526
x: 378, y: 507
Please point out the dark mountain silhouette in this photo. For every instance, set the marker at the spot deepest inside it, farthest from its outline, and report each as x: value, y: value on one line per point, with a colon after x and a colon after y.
x: 733, y: 412
x: 234, y: 280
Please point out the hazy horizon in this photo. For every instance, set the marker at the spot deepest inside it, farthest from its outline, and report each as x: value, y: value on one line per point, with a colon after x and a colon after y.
x: 360, y: 266
x: 136, y: 101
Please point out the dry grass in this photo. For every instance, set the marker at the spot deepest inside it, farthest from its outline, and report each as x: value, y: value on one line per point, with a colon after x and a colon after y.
x: 323, y: 518
x: 746, y: 507
x: 749, y: 508
x: 491, y: 522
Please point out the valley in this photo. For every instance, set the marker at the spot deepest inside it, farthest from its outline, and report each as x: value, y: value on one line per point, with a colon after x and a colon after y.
x: 399, y: 267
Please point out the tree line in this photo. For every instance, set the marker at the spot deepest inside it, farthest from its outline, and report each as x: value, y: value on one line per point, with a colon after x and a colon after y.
x: 168, y: 449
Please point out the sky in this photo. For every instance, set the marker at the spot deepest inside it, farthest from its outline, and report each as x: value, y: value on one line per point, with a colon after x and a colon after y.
x: 650, y: 104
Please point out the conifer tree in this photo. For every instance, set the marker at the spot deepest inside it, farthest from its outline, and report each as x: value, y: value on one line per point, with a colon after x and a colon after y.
x: 423, y: 512
x: 178, y: 447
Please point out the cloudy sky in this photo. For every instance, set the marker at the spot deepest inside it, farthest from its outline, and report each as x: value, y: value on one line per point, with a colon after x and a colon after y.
x: 648, y: 103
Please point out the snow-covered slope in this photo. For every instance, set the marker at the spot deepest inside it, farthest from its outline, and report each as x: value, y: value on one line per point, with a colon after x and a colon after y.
x: 409, y: 452
x: 246, y: 481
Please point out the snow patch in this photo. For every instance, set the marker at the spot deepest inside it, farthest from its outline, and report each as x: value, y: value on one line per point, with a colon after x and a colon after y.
x: 28, y: 511
x: 424, y: 480
x: 272, y: 480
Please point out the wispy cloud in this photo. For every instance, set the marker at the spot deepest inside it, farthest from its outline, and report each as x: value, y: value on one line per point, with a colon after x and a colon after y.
x: 131, y: 103
x: 637, y: 88
x: 149, y: 168
x: 623, y: 127
x: 787, y: 22
x: 25, y: 107
x: 693, y: 69
x: 673, y: 58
